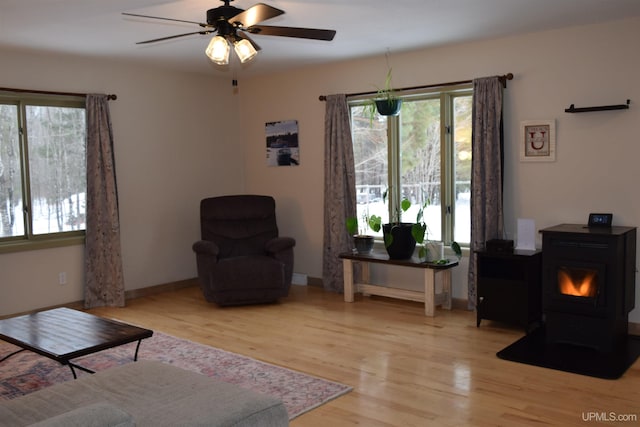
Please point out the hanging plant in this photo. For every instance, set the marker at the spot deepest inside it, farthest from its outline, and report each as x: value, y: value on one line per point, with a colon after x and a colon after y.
x: 385, y: 102
x: 388, y: 107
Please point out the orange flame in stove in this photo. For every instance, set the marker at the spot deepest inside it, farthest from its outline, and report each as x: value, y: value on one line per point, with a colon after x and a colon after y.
x: 580, y: 284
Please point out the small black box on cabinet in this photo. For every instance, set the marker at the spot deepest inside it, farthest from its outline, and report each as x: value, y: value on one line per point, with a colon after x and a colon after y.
x: 499, y: 246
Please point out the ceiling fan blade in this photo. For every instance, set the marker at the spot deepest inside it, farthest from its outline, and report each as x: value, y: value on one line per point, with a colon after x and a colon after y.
x: 176, y: 36
x: 203, y: 25
x: 302, y: 33
x: 244, y: 36
x: 256, y: 13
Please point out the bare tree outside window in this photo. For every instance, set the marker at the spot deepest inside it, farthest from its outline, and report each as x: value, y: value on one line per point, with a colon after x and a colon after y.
x: 47, y: 195
x: 462, y: 110
x: 432, y: 171
x: 420, y: 158
x: 370, y: 150
x: 57, y: 165
x: 11, y: 218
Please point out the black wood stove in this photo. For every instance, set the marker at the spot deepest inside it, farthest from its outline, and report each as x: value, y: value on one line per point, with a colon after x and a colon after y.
x: 588, y: 290
x: 588, y: 284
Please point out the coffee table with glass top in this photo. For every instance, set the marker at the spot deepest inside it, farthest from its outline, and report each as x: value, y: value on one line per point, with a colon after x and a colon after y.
x: 63, y: 334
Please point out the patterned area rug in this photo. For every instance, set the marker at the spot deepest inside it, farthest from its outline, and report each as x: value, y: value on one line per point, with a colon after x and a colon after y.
x: 26, y: 372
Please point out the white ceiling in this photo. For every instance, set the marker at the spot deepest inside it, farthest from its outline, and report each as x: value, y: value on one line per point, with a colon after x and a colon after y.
x: 364, y: 28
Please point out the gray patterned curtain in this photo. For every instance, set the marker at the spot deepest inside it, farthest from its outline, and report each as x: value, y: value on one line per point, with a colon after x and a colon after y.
x: 486, y: 171
x: 104, y: 282
x: 339, y: 189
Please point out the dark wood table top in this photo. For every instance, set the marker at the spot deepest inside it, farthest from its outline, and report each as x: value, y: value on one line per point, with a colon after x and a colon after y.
x: 383, y: 258
x: 63, y: 334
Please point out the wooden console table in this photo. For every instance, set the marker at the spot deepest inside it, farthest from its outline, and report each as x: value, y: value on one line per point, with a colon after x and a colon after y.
x: 428, y: 296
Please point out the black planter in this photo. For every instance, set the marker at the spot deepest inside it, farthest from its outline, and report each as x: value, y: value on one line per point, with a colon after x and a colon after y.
x: 402, y: 242
x: 364, y: 244
x: 388, y: 107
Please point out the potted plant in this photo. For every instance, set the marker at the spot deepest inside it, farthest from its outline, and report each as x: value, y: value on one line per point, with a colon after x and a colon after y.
x: 386, y: 102
x: 401, y: 238
x: 362, y: 241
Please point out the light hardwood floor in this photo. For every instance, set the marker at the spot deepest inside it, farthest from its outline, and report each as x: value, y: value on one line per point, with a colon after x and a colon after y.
x: 406, y: 369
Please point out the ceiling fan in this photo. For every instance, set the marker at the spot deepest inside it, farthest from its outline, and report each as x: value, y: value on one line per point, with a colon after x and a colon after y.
x: 232, y: 25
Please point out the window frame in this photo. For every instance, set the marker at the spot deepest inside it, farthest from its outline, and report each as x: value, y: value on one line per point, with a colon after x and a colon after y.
x: 28, y: 240
x: 446, y: 95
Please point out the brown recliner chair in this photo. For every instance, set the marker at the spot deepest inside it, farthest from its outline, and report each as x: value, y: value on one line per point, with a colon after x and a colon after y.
x: 241, y: 259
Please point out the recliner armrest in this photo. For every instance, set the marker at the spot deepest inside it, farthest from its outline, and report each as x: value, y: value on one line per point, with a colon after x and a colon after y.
x: 206, y: 247
x: 279, y: 244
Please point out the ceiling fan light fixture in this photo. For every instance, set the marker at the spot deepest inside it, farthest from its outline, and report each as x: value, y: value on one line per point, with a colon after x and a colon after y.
x: 227, y: 20
x: 218, y: 50
x: 245, y: 50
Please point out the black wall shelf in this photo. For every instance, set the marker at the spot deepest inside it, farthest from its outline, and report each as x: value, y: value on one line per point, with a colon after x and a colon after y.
x: 573, y: 109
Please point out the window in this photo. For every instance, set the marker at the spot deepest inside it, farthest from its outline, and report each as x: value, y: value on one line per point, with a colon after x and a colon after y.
x: 42, y: 168
x: 424, y: 155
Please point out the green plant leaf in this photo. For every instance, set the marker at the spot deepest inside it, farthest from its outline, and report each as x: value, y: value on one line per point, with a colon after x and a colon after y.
x: 375, y: 223
x: 418, y: 231
x: 352, y: 225
x: 405, y: 204
x: 455, y: 247
x: 422, y: 253
x: 387, y: 80
x: 370, y: 111
x: 388, y: 240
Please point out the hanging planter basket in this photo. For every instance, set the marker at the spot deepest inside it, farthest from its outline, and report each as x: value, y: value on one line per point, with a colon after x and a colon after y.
x: 388, y: 107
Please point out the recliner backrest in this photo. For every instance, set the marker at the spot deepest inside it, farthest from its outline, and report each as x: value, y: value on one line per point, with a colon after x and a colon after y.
x: 240, y: 224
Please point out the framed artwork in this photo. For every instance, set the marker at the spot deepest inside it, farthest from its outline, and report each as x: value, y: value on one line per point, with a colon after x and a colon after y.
x: 282, y: 143
x: 538, y: 141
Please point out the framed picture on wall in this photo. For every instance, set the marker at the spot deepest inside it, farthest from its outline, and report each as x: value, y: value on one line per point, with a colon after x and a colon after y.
x: 282, y: 143
x: 538, y: 141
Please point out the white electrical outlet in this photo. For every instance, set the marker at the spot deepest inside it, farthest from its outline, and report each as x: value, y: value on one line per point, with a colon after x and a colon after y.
x: 62, y: 278
x: 299, y: 279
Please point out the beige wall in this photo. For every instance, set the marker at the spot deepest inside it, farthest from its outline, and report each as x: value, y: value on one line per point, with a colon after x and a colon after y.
x: 597, y: 153
x: 175, y: 143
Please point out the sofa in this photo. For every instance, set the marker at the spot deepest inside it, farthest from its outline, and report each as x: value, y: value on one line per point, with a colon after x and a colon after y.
x: 144, y: 393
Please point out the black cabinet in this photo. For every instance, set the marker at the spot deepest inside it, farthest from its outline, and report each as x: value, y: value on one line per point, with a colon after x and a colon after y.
x: 509, y: 287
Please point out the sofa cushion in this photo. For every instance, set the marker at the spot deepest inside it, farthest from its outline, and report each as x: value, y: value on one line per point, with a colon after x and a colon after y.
x: 154, y: 394
x: 96, y: 415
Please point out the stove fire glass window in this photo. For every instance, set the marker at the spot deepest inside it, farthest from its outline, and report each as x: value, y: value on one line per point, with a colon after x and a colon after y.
x: 578, y: 282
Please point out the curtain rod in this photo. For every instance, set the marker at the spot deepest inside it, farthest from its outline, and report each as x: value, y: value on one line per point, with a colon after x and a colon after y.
x: 503, y: 79
x: 110, y: 97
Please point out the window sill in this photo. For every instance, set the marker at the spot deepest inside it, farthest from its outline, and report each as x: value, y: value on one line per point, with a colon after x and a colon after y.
x: 32, y: 245
x: 448, y: 252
